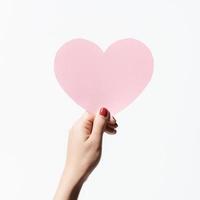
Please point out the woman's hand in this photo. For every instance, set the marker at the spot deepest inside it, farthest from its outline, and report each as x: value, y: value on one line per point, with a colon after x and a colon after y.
x: 84, y: 151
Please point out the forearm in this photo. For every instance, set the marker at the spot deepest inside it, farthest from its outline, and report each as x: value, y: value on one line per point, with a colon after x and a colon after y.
x: 69, y: 187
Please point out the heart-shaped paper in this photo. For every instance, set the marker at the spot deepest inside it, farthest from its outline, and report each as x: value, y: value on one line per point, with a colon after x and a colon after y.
x: 113, y: 79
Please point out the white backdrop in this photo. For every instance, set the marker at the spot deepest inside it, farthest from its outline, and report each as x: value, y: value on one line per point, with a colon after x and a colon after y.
x: 156, y: 153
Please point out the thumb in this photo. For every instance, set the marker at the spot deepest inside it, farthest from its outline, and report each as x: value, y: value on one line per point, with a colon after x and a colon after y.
x: 99, y: 124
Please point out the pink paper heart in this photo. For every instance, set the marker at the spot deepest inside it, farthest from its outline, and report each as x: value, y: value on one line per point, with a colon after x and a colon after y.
x: 113, y: 79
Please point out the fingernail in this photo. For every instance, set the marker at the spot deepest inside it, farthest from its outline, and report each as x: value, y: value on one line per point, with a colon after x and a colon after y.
x: 114, y: 118
x: 103, y: 111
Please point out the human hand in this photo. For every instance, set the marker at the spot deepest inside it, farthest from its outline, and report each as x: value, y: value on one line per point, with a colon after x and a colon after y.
x: 84, y: 151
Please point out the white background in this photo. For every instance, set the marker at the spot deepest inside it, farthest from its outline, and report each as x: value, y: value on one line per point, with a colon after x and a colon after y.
x: 156, y: 153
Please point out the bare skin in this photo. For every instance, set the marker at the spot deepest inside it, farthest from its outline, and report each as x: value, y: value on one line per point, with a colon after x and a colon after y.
x: 84, y: 151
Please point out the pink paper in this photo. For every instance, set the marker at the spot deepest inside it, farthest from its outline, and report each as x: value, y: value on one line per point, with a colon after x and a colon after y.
x: 113, y: 79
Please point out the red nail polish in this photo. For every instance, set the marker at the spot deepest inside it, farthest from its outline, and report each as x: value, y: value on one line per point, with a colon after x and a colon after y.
x: 103, y: 111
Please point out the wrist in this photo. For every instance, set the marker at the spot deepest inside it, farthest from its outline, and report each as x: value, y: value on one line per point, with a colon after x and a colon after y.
x: 69, y: 186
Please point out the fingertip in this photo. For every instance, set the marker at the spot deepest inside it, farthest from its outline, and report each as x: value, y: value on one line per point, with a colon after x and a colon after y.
x: 111, y: 131
x: 104, y: 112
x: 112, y: 125
x: 112, y: 120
